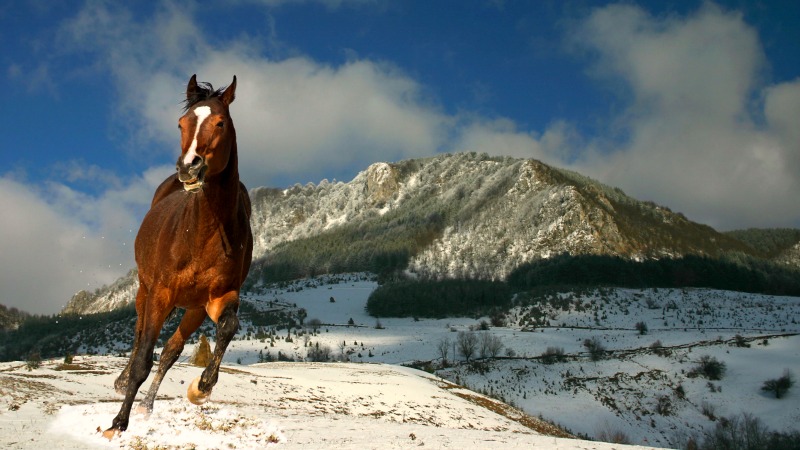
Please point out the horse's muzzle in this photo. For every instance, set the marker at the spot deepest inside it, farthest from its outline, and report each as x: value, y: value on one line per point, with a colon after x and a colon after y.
x: 192, y: 175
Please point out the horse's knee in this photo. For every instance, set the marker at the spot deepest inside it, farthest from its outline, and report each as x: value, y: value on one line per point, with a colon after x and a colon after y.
x: 140, y: 369
x: 121, y: 383
x: 228, y: 323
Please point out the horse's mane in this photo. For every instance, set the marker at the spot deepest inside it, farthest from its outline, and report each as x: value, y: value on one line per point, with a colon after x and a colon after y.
x: 204, y: 91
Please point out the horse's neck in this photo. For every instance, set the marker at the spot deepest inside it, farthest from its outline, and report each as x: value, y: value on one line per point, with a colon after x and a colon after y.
x: 223, y: 192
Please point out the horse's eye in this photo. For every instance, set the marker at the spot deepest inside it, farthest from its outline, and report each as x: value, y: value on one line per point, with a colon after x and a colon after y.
x: 220, y: 124
x: 180, y: 127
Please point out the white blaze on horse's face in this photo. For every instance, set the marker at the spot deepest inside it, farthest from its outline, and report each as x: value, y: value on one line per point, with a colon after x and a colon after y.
x: 202, y: 113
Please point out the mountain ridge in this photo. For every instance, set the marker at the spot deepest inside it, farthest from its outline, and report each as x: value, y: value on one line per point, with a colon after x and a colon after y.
x: 463, y: 215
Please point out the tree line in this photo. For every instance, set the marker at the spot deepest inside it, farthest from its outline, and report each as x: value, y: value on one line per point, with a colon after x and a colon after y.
x: 747, y: 275
x: 52, y: 336
x: 465, y: 297
x: 439, y: 298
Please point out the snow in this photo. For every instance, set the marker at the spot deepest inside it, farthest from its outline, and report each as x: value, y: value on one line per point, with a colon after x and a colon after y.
x: 281, y: 405
x: 371, y: 402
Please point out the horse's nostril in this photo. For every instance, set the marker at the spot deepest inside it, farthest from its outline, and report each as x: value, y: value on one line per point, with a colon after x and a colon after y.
x: 197, y: 161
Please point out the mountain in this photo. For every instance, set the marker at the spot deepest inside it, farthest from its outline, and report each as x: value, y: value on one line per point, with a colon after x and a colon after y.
x: 107, y: 298
x: 463, y: 215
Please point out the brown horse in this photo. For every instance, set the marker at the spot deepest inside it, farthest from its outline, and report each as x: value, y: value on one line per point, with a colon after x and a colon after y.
x: 193, y: 249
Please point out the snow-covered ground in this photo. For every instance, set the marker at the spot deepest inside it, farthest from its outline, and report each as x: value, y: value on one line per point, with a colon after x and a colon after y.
x: 646, y: 395
x: 280, y: 405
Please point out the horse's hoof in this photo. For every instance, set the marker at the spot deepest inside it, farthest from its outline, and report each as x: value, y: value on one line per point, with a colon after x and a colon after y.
x: 111, y: 433
x: 195, y: 395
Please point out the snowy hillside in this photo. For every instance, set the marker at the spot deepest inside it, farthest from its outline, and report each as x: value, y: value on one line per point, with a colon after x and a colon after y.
x: 108, y: 298
x: 642, y: 386
x: 281, y: 405
x: 471, y: 216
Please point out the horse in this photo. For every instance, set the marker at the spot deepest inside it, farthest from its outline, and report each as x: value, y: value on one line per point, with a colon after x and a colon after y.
x: 193, y: 250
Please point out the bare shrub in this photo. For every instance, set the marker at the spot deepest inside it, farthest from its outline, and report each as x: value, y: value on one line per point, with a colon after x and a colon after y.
x: 709, y: 411
x: 202, y: 353
x: 443, y: 349
x: 467, y: 344
x: 595, y: 348
x: 780, y: 386
x: 319, y: 353
x: 658, y: 348
x: 33, y: 361
x: 490, y: 345
x: 613, y: 435
x: 738, y: 433
x: 747, y: 432
x: 553, y: 355
x: 708, y: 367
x: 498, y: 320
x: 664, y: 405
x: 314, y: 324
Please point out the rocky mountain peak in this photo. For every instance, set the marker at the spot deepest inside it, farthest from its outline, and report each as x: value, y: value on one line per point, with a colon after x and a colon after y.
x: 382, y: 183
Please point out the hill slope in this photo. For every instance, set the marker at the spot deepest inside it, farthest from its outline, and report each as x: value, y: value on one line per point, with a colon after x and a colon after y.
x: 463, y: 215
x: 780, y: 244
x: 290, y: 405
x: 642, y: 388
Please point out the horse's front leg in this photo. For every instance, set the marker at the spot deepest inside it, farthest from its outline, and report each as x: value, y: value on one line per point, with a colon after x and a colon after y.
x: 191, y: 321
x: 121, y: 383
x: 148, y: 329
x: 227, y: 326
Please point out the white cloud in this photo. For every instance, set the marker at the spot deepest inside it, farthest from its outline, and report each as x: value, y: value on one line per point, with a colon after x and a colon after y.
x: 694, y: 138
x: 56, y: 240
x: 501, y: 136
x: 694, y: 141
x: 297, y: 116
x: 293, y: 116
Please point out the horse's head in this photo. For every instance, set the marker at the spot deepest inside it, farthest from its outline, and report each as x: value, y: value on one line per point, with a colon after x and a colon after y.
x: 207, y: 133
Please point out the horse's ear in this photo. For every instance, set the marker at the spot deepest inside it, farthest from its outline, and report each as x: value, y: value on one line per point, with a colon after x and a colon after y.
x: 230, y: 92
x: 191, y: 88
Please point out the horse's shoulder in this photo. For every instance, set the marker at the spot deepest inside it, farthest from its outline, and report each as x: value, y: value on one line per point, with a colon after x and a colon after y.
x: 168, y: 186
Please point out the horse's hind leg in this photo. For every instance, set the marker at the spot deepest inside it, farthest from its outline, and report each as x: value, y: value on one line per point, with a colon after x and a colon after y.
x: 192, y: 319
x: 227, y: 325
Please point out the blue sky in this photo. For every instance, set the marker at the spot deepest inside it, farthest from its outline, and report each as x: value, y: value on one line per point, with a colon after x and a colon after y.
x: 690, y: 104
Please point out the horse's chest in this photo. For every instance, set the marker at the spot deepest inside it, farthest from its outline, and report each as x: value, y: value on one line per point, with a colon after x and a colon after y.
x: 180, y: 243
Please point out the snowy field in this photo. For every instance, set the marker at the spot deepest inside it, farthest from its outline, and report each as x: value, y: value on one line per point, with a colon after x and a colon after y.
x: 648, y: 397
x: 276, y: 405
x: 646, y: 393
